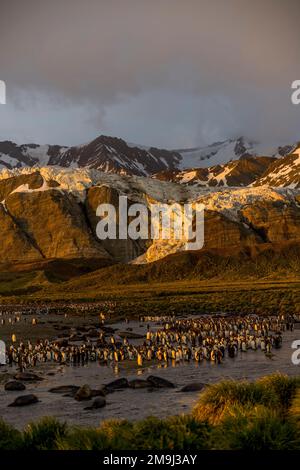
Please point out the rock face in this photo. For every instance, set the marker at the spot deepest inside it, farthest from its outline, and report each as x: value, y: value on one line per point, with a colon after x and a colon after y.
x: 274, y: 222
x: 49, y: 215
x: 25, y: 400
x: 222, y: 232
x: 242, y: 172
x: 14, y: 385
x: 283, y: 172
x: 120, y: 250
x: 14, y: 243
x: 63, y: 232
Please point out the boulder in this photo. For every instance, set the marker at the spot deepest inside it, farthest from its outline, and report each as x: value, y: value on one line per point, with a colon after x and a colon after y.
x: 84, y: 393
x: 14, y: 385
x: 193, y: 387
x: 159, y: 382
x: 99, y: 402
x: 25, y: 400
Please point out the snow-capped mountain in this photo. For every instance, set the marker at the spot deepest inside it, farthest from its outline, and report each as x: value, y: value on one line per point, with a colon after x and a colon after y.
x: 284, y: 172
x: 243, y: 172
x: 108, y: 154
x: 114, y: 155
x: 228, y: 150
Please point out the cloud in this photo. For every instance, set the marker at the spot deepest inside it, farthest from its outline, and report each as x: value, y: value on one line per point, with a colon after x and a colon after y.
x: 165, y: 72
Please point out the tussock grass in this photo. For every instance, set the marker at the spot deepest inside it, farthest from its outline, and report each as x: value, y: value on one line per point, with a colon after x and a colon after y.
x: 43, y: 434
x: 177, y: 433
x: 237, y: 415
x: 219, y: 400
x: 10, y: 438
x: 255, y: 429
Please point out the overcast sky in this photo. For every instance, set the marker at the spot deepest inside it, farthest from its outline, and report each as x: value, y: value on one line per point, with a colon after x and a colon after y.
x: 157, y: 72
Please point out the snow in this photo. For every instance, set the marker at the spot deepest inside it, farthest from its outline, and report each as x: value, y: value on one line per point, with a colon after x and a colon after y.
x: 9, y: 160
x: 230, y: 200
x: 223, y: 152
x: 39, y: 153
x: 189, y: 176
x: 24, y: 188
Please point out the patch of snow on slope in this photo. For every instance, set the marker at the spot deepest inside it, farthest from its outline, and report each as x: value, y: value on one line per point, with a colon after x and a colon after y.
x: 230, y: 201
x: 39, y: 153
x: 9, y: 160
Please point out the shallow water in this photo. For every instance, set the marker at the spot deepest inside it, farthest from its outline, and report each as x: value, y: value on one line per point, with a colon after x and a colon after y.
x: 136, y: 404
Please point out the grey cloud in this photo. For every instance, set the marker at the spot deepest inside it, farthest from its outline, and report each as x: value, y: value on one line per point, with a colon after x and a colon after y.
x: 163, y: 72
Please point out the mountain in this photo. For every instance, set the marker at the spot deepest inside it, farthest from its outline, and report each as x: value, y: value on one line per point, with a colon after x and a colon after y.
x: 50, y: 214
x: 227, y: 150
x: 284, y: 172
x: 108, y: 154
x: 114, y: 155
x: 236, y: 173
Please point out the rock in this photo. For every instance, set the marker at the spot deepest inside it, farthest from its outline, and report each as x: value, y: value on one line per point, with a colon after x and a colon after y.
x: 72, y: 389
x: 84, y: 393
x: 99, y: 402
x: 116, y: 385
x: 193, y: 387
x: 14, y: 385
x: 158, y: 382
x: 121, y: 250
x: 61, y: 215
x: 139, y: 383
x: 275, y: 222
x: 25, y: 400
x: 27, y: 377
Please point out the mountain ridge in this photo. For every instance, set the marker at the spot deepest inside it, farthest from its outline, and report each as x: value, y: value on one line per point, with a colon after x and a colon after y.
x: 115, y: 155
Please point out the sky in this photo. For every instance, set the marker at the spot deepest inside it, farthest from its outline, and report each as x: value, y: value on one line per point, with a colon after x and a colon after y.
x: 169, y: 73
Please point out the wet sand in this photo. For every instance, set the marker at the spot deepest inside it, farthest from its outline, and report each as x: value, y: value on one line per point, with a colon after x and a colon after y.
x: 136, y: 404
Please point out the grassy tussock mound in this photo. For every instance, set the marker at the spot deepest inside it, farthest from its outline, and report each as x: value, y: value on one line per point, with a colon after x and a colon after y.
x: 219, y: 400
